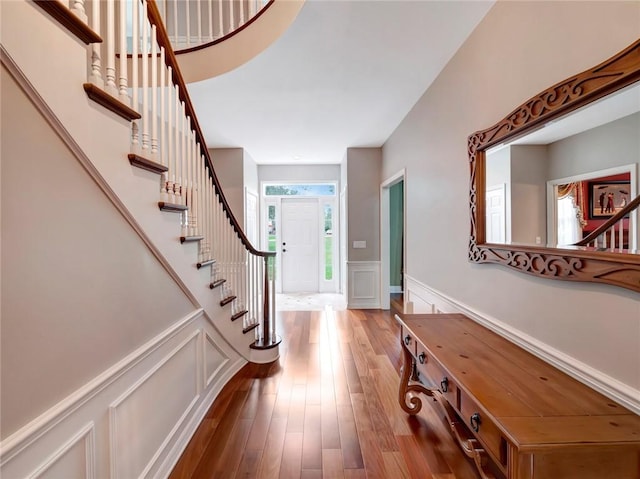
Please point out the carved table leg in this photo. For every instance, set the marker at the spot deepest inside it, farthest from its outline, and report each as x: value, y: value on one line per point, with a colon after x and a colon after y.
x: 410, y: 404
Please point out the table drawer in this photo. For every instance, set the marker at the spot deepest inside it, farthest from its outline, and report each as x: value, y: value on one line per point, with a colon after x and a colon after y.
x: 436, y: 376
x: 483, y: 428
x: 409, y: 341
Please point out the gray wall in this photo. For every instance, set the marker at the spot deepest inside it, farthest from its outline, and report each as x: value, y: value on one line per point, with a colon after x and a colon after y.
x: 363, y: 177
x: 519, y: 49
x: 229, y: 167
x: 614, y: 144
x: 80, y: 289
x: 299, y: 173
x: 528, y: 193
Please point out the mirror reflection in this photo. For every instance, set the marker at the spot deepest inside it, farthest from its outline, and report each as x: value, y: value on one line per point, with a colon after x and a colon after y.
x: 556, y: 185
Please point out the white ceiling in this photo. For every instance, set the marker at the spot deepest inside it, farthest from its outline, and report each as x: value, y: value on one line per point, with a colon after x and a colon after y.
x: 343, y: 75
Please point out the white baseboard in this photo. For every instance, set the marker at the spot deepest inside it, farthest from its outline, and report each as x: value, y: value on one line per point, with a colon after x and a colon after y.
x: 395, y: 289
x: 421, y: 298
x: 167, y: 385
x: 363, y: 279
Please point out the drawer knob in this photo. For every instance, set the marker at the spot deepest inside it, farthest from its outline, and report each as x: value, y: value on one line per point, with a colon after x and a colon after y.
x: 407, y: 340
x: 422, y: 357
x: 444, y: 384
x: 474, y: 420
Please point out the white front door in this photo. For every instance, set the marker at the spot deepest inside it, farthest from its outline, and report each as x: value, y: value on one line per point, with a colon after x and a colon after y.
x: 299, y: 245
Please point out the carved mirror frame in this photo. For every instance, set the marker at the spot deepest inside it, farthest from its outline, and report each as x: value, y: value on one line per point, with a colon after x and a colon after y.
x: 618, y: 269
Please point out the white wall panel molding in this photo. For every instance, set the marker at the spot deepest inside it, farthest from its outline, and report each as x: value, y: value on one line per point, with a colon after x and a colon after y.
x: 422, y: 298
x: 145, y: 409
x: 139, y: 434
x: 22, y: 438
x: 213, y: 359
x: 84, y: 444
x: 363, y: 284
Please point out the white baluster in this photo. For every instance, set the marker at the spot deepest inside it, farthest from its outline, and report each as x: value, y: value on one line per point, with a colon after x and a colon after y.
x: 77, y: 7
x: 199, y: 22
x: 145, y: 79
x: 176, y: 146
x: 123, y: 92
x: 110, y: 84
x: 242, y: 13
x: 621, y: 234
x: 163, y: 109
x: 210, y: 210
x: 220, y: 19
x: 171, y: 160
x: 187, y: 8
x: 135, y: 39
x: 183, y: 153
x: 154, y: 91
x: 210, y: 17
x: 95, y: 68
x: 251, y: 7
x: 232, y: 21
x: 176, y: 32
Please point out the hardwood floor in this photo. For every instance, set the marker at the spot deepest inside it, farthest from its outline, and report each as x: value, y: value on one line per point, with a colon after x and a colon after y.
x: 327, y: 409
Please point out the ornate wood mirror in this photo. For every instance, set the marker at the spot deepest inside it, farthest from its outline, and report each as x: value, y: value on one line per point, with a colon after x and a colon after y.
x: 527, y: 144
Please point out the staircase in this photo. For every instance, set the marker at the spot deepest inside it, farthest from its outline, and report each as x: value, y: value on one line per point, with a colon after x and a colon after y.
x: 613, y: 234
x: 103, y: 75
x: 133, y: 72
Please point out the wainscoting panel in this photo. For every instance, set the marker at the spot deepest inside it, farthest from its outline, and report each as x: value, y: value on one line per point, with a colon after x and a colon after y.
x: 76, y: 458
x: 424, y: 297
x: 214, y: 359
x: 364, y: 284
x: 133, y: 420
x: 138, y: 433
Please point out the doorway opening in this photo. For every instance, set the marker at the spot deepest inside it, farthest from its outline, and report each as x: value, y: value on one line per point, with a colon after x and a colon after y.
x: 392, y: 240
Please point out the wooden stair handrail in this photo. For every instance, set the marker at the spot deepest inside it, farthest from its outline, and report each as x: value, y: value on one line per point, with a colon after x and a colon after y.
x: 163, y: 40
x: 226, y: 36
x: 632, y: 205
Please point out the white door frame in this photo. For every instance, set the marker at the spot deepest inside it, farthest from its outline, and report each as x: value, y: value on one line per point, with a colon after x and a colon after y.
x: 276, y: 201
x: 385, y: 239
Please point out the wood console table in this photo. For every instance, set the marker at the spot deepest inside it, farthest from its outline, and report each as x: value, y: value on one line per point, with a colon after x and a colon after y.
x: 515, y: 415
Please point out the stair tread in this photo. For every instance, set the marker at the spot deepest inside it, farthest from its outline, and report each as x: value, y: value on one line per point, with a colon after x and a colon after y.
x: 110, y: 102
x: 146, y: 164
x: 172, y: 207
x: 217, y: 283
x: 239, y: 314
x: 202, y: 264
x: 227, y: 300
x: 188, y: 239
x: 250, y: 328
